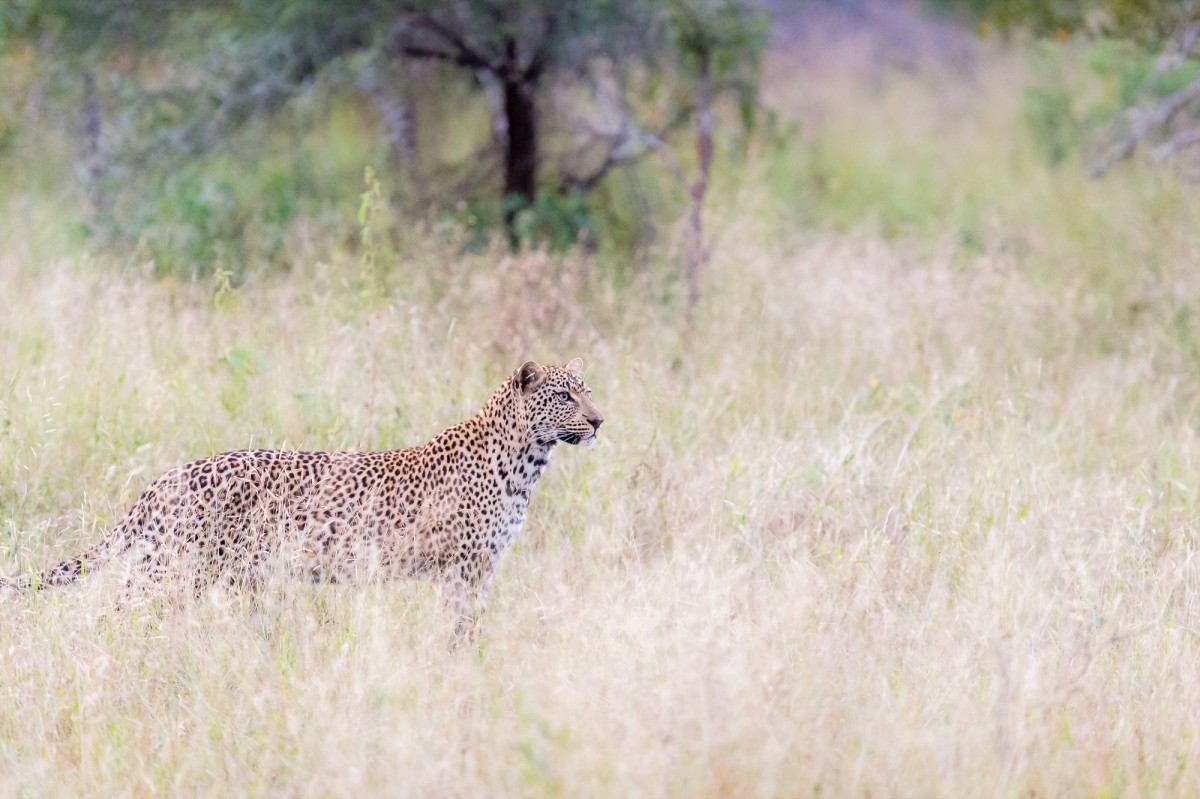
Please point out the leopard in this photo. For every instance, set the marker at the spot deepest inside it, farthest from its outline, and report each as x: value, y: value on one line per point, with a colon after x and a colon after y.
x: 448, y: 510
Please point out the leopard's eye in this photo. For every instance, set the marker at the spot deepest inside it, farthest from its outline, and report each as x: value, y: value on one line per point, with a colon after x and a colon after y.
x: 564, y: 395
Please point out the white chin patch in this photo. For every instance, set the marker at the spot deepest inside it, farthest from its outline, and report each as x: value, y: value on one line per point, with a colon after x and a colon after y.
x: 590, y: 441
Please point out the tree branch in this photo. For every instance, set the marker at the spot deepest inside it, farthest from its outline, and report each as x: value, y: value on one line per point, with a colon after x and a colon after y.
x: 628, y: 145
x: 1189, y: 39
x: 537, y: 64
x: 1181, y: 140
x: 462, y: 60
x: 456, y: 50
x: 1155, y: 118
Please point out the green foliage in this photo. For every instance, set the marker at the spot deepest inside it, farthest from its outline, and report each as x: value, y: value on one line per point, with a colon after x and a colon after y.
x: 1044, y: 16
x: 554, y: 222
x: 1147, y: 46
x: 86, y: 30
x: 1050, y: 121
x: 1161, y: 83
x: 837, y: 184
x: 193, y: 224
x: 16, y: 18
x: 10, y: 114
x: 624, y: 212
x: 1048, y: 108
x: 370, y: 206
x: 183, y: 172
x: 1148, y: 22
x: 725, y: 40
x: 207, y: 217
x: 733, y: 33
x: 1126, y: 65
x: 224, y: 294
x: 1136, y: 72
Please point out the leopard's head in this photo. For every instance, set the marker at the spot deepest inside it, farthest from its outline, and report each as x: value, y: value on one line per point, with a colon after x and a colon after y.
x: 558, y: 404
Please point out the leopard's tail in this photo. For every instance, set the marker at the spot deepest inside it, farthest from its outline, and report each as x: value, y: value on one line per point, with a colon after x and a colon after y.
x: 71, y: 570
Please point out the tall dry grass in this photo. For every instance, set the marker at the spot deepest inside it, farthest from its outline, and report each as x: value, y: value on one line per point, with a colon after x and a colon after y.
x: 896, y: 518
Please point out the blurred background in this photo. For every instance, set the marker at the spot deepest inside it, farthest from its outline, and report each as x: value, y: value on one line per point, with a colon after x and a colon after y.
x: 232, y: 139
x: 892, y: 310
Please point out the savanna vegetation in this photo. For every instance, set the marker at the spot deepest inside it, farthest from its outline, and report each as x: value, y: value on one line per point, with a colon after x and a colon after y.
x: 897, y: 488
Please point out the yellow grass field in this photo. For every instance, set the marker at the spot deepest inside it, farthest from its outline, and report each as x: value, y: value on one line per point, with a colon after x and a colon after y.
x: 898, y: 517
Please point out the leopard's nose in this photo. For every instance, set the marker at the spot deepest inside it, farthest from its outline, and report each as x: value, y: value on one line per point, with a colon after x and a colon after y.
x: 596, y: 423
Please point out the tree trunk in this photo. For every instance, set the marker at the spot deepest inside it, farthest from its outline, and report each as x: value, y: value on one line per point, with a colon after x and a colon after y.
x: 697, y: 253
x: 397, y: 105
x: 93, y: 162
x: 493, y: 94
x: 521, y: 148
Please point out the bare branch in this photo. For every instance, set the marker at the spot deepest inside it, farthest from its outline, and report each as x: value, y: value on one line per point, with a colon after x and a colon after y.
x: 625, y: 142
x: 1189, y: 39
x: 415, y: 51
x: 1178, y: 49
x: 1181, y: 140
x: 1153, y: 119
x: 454, y: 47
x: 458, y: 41
x: 629, y: 145
x: 537, y: 64
x: 664, y: 152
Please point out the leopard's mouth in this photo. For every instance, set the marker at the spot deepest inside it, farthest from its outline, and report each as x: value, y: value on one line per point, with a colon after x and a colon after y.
x: 568, y: 437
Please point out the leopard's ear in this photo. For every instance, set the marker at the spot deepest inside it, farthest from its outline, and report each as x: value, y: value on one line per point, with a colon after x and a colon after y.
x: 530, y: 376
x: 575, y: 367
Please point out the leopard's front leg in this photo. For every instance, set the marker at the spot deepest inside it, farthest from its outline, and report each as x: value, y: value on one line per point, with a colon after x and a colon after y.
x: 465, y: 591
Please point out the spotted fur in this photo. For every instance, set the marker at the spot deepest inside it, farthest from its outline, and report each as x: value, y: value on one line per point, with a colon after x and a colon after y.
x: 448, y: 509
